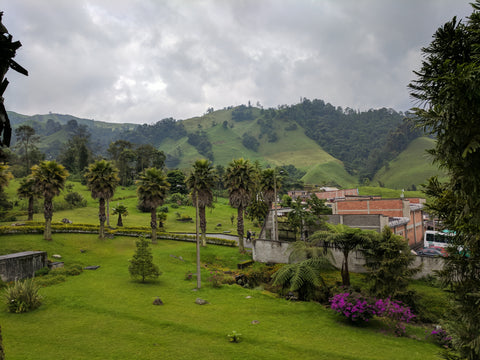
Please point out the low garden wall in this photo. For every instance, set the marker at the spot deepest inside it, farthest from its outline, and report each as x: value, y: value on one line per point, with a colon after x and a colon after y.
x: 277, y: 252
x: 21, y: 265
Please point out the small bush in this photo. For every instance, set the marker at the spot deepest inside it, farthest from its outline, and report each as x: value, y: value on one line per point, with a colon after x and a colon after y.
x: 75, y: 200
x: 361, y: 308
x: 234, y: 337
x: 73, y: 270
x: 49, y: 280
x: 42, y: 271
x: 354, y: 306
x: 440, y: 337
x: 22, y: 296
x: 216, y: 278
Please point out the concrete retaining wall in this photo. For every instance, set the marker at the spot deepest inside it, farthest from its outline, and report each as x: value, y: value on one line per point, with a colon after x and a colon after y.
x: 21, y: 265
x: 277, y: 252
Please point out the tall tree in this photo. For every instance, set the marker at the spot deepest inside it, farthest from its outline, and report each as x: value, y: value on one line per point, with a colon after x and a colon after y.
x: 447, y: 86
x: 26, y: 143
x: 26, y: 190
x: 50, y: 178
x: 201, y: 182
x: 240, y: 180
x: 345, y: 239
x: 176, y: 179
x: 147, y: 156
x: 388, y: 260
x: 5, y: 177
x: 76, y: 153
x: 102, y: 179
x: 268, y: 184
x: 152, y: 187
x: 123, y: 155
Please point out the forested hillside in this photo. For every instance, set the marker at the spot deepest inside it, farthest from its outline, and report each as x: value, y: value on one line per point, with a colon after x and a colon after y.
x: 328, y: 144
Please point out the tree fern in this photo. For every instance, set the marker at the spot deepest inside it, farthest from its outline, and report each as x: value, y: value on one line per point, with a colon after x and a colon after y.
x: 303, y: 277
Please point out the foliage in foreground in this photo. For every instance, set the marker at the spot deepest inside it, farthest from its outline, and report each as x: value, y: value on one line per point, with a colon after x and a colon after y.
x: 22, y: 296
x: 447, y: 87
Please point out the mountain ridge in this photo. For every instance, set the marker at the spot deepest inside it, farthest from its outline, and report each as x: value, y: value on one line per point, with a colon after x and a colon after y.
x: 331, y: 145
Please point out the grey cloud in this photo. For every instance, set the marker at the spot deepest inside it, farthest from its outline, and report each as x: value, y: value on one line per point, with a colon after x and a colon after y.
x: 141, y: 61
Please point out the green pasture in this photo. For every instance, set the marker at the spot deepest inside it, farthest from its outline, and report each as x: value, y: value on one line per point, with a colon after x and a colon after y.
x: 409, y: 168
x: 218, y: 217
x: 103, y: 314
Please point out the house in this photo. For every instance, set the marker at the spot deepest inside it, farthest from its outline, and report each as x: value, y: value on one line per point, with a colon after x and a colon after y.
x: 405, y: 215
x: 326, y: 193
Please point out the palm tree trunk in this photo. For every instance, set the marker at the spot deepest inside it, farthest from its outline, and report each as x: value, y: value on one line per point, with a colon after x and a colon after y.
x: 241, y: 245
x: 30, y: 208
x: 120, y: 221
x: 153, y: 224
x: 203, y: 224
x: 47, y: 212
x: 102, y: 217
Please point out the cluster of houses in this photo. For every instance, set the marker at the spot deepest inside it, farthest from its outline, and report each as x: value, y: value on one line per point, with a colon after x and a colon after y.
x: 405, y: 216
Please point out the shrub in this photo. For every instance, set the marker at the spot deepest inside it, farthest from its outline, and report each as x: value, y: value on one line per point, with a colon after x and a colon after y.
x: 141, y: 265
x: 42, y: 271
x: 74, y: 199
x: 50, y: 279
x: 395, y: 314
x: 358, y: 307
x: 73, y: 270
x: 354, y: 306
x: 234, y: 337
x: 440, y: 337
x: 216, y: 278
x: 22, y: 296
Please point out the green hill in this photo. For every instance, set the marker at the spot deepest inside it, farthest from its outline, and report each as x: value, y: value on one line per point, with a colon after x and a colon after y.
x: 412, y: 167
x: 332, y: 146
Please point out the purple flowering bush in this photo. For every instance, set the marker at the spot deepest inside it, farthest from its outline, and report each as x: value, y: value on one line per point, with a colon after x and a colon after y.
x: 395, y: 314
x: 357, y: 307
x: 354, y: 306
x: 441, y: 337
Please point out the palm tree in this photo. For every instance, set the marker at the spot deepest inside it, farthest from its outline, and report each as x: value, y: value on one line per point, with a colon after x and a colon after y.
x: 102, y: 179
x: 50, y: 178
x: 201, y: 182
x: 120, y: 210
x: 26, y: 190
x: 268, y: 184
x: 240, y: 180
x: 343, y: 238
x: 151, y: 190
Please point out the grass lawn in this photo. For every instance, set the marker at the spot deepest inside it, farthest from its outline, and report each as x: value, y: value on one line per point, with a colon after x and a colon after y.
x: 103, y: 314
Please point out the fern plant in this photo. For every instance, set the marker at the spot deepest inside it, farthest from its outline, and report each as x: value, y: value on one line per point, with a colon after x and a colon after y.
x: 303, y: 277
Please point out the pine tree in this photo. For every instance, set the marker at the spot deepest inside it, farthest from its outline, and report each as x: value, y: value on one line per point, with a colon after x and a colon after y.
x: 142, y: 266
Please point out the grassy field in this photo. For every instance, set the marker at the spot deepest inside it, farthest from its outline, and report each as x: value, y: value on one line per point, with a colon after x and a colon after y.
x: 409, y: 168
x: 103, y: 314
x: 218, y: 217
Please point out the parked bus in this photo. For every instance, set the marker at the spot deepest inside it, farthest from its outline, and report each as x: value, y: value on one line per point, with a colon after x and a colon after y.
x: 437, y: 238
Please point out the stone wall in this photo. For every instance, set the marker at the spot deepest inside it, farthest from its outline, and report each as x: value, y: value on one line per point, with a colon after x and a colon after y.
x: 21, y: 265
x: 277, y: 252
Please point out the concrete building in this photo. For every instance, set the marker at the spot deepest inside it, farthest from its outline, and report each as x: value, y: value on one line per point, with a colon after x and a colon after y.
x: 405, y: 215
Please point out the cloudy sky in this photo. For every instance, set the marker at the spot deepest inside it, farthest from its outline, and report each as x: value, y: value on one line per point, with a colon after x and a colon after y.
x: 144, y: 60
